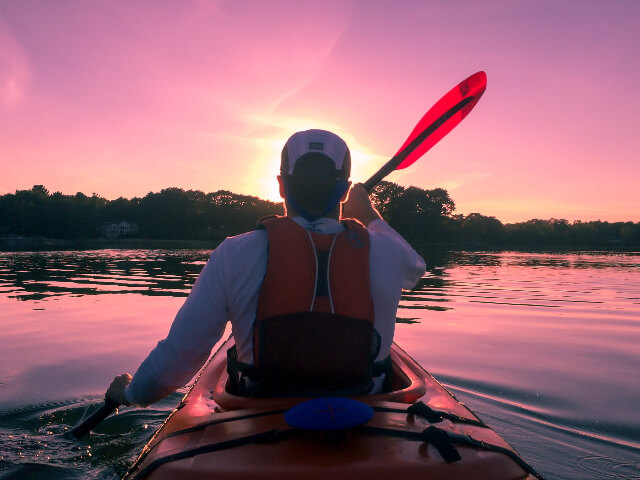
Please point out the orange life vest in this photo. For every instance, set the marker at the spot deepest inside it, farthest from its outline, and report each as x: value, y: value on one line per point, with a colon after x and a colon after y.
x: 313, y: 332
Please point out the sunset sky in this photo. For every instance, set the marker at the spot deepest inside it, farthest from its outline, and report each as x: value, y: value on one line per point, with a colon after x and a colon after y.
x: 122, y: 98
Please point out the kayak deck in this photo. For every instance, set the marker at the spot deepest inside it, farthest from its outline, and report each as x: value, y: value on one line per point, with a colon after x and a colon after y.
x: 418, y: 430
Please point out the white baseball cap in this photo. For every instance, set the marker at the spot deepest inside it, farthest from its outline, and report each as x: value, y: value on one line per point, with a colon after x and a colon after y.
x: 315, y: 147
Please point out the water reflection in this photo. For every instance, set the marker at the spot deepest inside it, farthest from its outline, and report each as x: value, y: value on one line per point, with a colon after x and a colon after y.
x: 543, y: 346
x: 583, y: 259
x: 590, y: 279
x: 39, y: 275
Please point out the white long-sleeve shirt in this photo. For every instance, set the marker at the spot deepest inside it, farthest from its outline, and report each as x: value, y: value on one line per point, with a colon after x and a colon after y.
x: 228, y: 287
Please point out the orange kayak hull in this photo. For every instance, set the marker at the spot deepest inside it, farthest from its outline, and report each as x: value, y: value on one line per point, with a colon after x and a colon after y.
x: 214, y: 434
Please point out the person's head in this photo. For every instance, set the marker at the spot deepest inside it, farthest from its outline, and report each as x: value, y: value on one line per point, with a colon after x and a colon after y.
x: 314, y: 173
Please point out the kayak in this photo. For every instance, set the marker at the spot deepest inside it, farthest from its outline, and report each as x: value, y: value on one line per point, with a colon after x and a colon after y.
x: 418, y: 429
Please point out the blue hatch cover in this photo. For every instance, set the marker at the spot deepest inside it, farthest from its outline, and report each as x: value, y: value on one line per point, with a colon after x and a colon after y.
x: 328, y: 413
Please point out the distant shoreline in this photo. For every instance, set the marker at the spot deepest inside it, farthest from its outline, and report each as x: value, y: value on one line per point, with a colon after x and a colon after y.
x: 17, y: 243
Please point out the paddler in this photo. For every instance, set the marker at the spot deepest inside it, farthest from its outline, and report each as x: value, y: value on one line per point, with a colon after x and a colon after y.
x: 311, y: 296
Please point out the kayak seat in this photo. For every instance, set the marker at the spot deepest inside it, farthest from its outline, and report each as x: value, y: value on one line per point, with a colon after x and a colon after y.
x: 406, y: 385
x: 309, y: 354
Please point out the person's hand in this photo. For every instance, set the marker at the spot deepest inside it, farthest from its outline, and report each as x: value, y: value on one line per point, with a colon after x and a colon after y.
x: 358, y: 206
x: 116, y: 389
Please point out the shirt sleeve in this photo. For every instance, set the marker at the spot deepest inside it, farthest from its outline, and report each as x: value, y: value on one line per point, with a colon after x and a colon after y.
x: 414, y: 263
x: 199, y: 324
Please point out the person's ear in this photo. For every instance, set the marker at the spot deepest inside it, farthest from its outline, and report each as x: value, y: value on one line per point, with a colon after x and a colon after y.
x: 346, y: 193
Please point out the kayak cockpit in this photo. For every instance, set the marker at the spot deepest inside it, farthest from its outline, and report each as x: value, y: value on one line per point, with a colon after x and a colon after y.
x: 417, y: 430
x: 406, y: 386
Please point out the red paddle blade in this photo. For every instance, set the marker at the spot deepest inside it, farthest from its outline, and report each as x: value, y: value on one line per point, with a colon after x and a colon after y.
x: 442, y: 118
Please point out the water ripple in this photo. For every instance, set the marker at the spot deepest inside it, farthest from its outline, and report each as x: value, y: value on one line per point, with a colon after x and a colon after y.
x: 39, y: 275
x: 544, y: 411
x: 34, y: 442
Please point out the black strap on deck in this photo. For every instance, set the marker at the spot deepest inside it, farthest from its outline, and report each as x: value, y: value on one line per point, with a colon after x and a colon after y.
x: 435, y: 416
x: 432, y: 416
x: 262, y: 437
x: 433, y: 435
x: 445, y: 441
x: 202, y: 426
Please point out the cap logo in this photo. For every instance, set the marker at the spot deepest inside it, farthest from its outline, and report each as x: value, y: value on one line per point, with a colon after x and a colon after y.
x: 316, y: 146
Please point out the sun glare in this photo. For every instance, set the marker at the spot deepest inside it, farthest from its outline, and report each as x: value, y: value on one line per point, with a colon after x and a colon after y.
x: 262, y: 173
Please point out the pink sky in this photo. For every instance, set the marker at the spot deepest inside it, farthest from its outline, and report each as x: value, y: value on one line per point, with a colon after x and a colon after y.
x: 122, y: 98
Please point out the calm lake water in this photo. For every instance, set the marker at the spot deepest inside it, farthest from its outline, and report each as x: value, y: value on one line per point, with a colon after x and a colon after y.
x: 544, y: 347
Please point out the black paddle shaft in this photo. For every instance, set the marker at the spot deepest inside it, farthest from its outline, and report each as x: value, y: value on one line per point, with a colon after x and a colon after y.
x: 98, y: 416
x: 392, y: 164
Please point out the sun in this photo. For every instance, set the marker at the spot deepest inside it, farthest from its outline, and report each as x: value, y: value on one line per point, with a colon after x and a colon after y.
x: 261, y: 174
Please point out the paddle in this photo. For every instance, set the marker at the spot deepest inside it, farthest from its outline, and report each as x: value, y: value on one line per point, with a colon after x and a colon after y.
x: 436, y: 123
x: 96, y: 417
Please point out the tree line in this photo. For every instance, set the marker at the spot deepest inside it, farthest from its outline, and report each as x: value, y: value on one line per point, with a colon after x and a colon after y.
x: 428, y: 216
x: 173, y: 213
x: 421, y: 216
